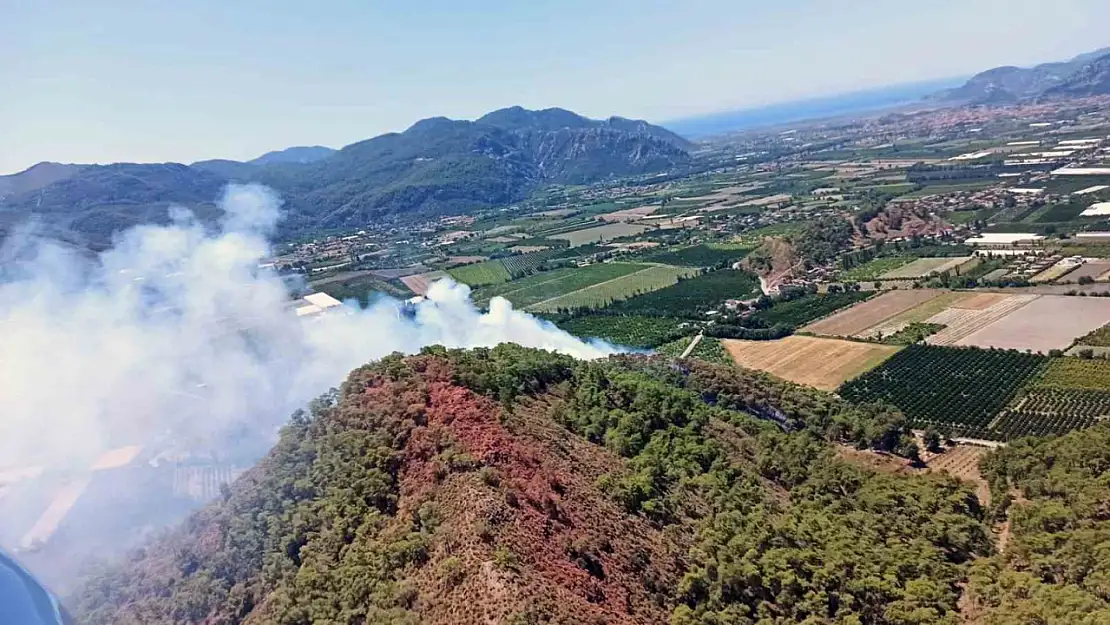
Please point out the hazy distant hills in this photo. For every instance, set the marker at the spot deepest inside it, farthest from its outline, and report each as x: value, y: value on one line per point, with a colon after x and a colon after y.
x: 437, y: 166
x: 810, y: 108
x: 1085, y: 74
x: 299, y: 154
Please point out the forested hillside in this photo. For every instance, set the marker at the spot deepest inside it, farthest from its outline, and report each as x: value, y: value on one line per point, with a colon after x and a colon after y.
x: 1055, y: 565
x: 438, y: 166
x: 518, y: 486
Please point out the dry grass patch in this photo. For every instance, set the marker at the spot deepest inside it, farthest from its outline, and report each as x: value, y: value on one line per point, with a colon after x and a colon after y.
x: 818, y: 362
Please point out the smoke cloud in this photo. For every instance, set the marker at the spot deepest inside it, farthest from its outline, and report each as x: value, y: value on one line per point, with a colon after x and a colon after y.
x: 176, y: 333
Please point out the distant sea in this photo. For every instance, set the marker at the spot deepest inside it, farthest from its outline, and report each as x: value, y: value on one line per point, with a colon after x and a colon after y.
x: 811, y: 108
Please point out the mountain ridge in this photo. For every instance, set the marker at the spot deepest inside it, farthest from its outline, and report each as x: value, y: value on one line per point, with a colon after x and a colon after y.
x: 1009, y: 83
x: 436, y: 166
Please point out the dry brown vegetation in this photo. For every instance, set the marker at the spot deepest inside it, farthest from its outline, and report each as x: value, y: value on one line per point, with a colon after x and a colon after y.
x: 419, y: 283
x: 818, y: 362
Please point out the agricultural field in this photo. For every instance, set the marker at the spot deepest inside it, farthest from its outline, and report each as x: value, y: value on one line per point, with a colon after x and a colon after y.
x: 818, y: 362
x: 972, y: 314
x: 674, y: 349
x: 694, y: 296
x: 607, y: 232
x: 524, y: 264
x: 962, y: 463
x: 872, y: 269
x: 628, y: 214
x: 917, y: 314
x: 1060, y: 212
x: 419, y: 283
x: 801, y: 311
x: 872, y: 312
x: 711, y: 350
x: 1075, y: 373
x: 547, y: 285
x: 922, y: 267
x: 361, y: 288
x: 959, y: 389
x: 704, y: 255
x: 479, y: 274
x: 599, y: 295
x: 1095, y: 270
x: 942, y: 189
x: 912, y: 333
x: 1042, y: 412
x: 1046, y: 323
x: 1070, y: 393
x: 1096, y: 338
x: 631, y: 330
x: 1053, y: 272
x: 708, y: 349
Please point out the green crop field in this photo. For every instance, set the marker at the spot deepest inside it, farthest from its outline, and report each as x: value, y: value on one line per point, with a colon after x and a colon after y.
x: 1076, y: 373
x: 694, y: 296
x: 546, y: 285
x: 623, y: 287
x: 873, y: 268
x: 1062, y: 212
x: 631, y: 330
x: 607, y: 232
x: 478, y: 274
x: 705, y: 255
x: 959, y: 388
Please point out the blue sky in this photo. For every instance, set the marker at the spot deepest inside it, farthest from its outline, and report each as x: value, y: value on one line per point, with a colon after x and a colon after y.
x: 121, y: 80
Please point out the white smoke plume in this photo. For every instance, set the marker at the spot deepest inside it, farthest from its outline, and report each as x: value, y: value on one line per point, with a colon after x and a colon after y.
x: 176, y: 332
